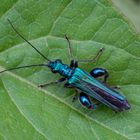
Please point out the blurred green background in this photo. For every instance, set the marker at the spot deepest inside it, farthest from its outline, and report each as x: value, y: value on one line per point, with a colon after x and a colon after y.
x: 131, y: 9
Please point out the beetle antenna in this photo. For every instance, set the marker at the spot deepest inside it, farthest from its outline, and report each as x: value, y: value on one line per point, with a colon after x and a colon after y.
x: 27, y: 41
x: 33, y: 65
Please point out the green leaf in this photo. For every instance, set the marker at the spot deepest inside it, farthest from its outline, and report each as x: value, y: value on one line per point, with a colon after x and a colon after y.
x: 130, y: 8
x: 28, y: 112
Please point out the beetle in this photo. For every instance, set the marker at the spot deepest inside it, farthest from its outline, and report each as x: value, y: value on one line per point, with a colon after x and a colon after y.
x: 86, y: 83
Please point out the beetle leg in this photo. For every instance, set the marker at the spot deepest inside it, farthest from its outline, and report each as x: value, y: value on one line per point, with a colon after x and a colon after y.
x: 98, y: 72
x: 115, y: 87
x: 55, y: 82
x: 75, y: 97
x: 73, y: 64
x: 67, y: 85
x: 99, y: 53
x: 83, y: 98
x: 76, y: 64
x: 85, y: 101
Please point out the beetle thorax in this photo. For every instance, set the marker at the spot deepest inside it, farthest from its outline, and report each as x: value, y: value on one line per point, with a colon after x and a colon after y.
x: 58, y: 67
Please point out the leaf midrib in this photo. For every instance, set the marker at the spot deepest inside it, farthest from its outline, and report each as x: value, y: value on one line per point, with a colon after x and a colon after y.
x: 59, y: 99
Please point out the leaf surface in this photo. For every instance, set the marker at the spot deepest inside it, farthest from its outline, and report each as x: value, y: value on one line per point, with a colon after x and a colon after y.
x: 48, y: 114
